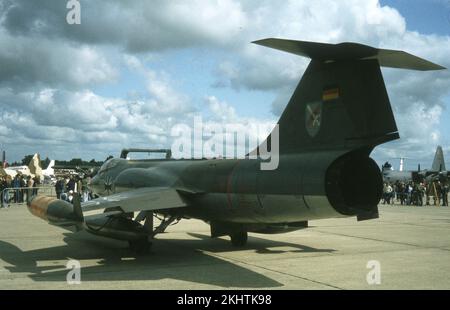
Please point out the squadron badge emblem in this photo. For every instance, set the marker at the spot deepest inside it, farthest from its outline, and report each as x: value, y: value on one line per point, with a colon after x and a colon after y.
x: 313, y: 118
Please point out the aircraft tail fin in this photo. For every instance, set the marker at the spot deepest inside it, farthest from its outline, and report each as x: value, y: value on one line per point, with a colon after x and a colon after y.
x: 341, y: 100
x: 35, y: 166
x: 49, y: 170
x: 438, y: 162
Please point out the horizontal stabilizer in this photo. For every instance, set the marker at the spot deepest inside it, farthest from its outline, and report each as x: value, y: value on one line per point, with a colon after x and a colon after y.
x: 350, y: 51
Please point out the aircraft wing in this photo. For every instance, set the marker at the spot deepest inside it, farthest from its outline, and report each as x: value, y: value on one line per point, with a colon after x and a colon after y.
x: 141, y: 199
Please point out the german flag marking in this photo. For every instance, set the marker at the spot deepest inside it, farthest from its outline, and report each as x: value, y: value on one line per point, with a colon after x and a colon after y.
x: 330, y: 94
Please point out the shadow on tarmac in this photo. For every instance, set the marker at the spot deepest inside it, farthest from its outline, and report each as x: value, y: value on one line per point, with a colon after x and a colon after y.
x: 111, y: 260
x: 259, y: 245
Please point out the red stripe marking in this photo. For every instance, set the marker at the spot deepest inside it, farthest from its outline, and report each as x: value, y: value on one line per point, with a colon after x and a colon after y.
x: 229, y: 185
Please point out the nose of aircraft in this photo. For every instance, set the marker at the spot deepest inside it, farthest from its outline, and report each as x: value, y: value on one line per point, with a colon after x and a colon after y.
x: 95, y: 185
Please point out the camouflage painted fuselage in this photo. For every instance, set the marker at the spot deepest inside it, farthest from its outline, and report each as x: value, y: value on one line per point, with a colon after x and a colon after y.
x: 235, y: 190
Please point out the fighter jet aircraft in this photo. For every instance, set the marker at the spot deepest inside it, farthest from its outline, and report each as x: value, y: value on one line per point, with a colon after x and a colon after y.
x: 338, y: 113
x: 437, y: 171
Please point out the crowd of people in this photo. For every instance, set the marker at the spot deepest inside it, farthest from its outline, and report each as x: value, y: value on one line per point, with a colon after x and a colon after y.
x: 66, y: 188
x: 416, y: 194
x: 21, y: 187
x: 16, y: 190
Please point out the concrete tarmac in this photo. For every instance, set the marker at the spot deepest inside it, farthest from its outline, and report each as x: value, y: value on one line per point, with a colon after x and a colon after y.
x: 411, y: 244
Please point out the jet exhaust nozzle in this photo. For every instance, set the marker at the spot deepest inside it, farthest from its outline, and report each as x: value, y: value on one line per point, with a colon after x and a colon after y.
x: 354, y: 185
x: 55, y: 211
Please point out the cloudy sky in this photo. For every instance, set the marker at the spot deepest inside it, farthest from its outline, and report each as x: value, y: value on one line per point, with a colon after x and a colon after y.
x: 133, y: 69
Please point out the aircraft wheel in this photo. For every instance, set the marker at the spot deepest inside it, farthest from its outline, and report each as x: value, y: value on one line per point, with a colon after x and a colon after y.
x: 141, y: 246
x: 239, y: 239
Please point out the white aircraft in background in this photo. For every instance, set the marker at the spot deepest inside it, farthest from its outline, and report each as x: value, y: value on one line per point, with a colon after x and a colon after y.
x: 33, y: 169
x: 49, y: 173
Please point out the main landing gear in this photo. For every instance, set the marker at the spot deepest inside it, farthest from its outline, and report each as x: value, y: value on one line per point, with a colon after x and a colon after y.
x: 239, y: 238
x: 143, y: 245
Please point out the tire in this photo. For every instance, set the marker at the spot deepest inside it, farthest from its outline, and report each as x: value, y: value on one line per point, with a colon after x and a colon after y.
x: 239, y: 239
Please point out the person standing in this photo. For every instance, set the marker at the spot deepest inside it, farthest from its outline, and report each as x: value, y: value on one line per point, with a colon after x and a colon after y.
x: 2, y: 188
x: 401, y: 194
x: 389, y: 192
x: 84, y: 189
x: 36, y: 183
x: 8, y: 180
x: 421, y: 193
x: 30, y: 184
x: 59, y: 187
x: 79, y: 188
x: 438, y: 193
x: 429, y: 191
x: 407, y: 194
x: 397, y: 191
x: 71, y: 185
x: 23, y: 185
x: 445, y: 190
x: 16, y: 186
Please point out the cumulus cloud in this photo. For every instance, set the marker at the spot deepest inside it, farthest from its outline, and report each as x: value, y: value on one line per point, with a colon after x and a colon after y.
x: 82, y: 121
x: 29, y: 61
x: 137, y: 26
x: 234, y: 132
x: 165, y: 99
x: 221, y: 110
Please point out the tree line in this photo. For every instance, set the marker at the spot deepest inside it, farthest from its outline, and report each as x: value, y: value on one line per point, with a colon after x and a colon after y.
x: 73, y: 162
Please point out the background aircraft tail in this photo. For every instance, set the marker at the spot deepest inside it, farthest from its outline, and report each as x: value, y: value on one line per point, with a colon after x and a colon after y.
x: 35, y: 166
x: 438, y: 162
x: 341, y: 101
x: 49, y: 171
